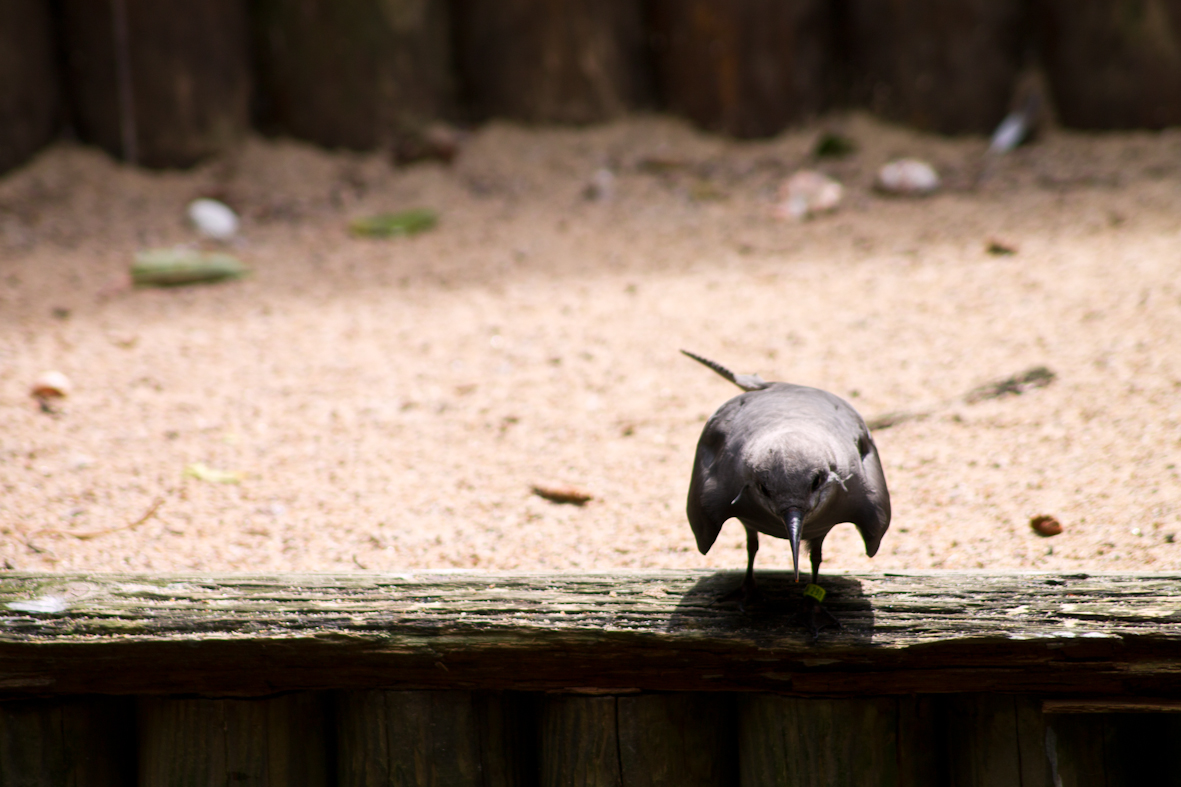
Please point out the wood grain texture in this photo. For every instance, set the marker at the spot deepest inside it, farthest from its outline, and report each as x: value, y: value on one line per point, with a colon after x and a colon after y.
x: 193, y: 741
x: 30, y: 100
x: 690, y: 740
x: 579, y: 742
x: 902, y: 634
x: 428, y: 738
x: 86, y: 741
x: 552, y: 61
x: 174, y: 90
x: 744, y: 67
x: 818, y: 742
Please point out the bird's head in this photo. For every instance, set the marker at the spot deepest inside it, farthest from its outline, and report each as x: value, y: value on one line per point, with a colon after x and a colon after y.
x: 791, y: 485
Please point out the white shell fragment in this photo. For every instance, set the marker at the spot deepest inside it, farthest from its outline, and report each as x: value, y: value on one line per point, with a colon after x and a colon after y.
x: 908, y: 177
x: 213, y: 219
x: 807, y: 193
x: 50, y: 385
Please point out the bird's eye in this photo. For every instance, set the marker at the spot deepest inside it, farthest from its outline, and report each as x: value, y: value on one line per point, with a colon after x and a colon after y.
x: 763, y: 489
x: 816, y: 481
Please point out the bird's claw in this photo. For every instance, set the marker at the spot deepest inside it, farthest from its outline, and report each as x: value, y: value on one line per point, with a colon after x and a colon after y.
x: 815, y: 618
x: 746, y: 594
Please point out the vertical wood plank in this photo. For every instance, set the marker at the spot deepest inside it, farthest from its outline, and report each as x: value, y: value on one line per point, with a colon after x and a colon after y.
x: 563, y: 61
x: 83, y: 742
x: 428, y: 738
x: 678, y: 739
x: 1116, y: 749
x: 922, y: 741
x: 161, y: 83
x: 744, y: 67
x: 1112, y: 63
x: 508, y: 738
x: 352, y: 73
x: 274, y: 741
x: 940, y: 65
x: 579, y: 742
x: 815, y: 742
x: 995, y: 740
x: 29, y: 94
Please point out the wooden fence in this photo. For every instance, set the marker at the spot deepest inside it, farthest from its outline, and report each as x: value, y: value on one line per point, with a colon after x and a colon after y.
x: 167, y: 82
x: 586, y: 679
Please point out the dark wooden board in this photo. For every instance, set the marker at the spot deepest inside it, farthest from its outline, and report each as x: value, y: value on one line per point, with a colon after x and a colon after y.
x: 748, y: 68
x: 163, y: 83
x: 29, y: 94
x: 907, y: 633
x: 939, y: 65
x: 359, y: 74
x: 552, y: 61
x: 1113, y: 64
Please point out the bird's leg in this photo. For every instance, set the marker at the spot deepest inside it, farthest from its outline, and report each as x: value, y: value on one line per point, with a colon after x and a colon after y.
x: 748, y: 592
x: 814, y: 616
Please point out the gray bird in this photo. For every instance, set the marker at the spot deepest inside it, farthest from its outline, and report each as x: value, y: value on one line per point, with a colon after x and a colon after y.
x: 789, y: 461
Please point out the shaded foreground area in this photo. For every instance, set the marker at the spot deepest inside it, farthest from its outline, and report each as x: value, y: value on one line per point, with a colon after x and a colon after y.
x: 389, y: 405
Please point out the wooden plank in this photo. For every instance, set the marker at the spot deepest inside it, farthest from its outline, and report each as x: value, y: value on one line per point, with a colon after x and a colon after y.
x: 359, y: 74
x: 744, y: 67
x: 192, y: 741
x: 1115, y: 750
x: 579, y: 742
x: 818, y: 742
x: 563, y: 61
x: 1112, y: 64
x: 690, y: 740
x: 406, y: 738
x: 29, y: 97
x: 1102, y: 635
x: 162, y: 83
x: 939, y: 65
x: 994, y: 740
x: 88, y: 742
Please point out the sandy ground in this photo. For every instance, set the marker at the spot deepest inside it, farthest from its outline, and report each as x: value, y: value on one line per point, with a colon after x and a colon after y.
x: 389, y: 404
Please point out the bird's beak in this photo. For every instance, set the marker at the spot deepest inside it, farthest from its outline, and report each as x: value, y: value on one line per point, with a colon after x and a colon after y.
x: 794, y: 519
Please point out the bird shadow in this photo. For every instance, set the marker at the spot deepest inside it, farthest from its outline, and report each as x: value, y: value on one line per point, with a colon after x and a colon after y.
x: 778, y: 614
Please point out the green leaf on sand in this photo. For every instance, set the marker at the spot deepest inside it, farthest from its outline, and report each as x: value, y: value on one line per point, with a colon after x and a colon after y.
x: 388, y: 225
x: 174, y: 267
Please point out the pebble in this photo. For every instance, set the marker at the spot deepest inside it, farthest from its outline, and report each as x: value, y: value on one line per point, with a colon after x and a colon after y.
x: 807, y: 193
x: 213, y: 219
x: 908, y: 177
x: 51, y: 385
x: 601, y: 187
x: 1045, y: 525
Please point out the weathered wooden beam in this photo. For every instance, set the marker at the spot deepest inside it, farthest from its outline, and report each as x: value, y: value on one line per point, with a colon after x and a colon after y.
x: 1048, y: 634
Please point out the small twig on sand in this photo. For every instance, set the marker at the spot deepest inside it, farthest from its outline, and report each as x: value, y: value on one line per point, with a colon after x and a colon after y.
x: 88, y: 534
x: 1036, y: 377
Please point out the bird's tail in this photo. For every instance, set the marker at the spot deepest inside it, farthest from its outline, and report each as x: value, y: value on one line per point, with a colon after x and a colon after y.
x: 747, y: 382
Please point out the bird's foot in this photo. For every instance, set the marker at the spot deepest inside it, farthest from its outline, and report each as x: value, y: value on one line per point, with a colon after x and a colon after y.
x: 814, y: 616
x: 746, y: 594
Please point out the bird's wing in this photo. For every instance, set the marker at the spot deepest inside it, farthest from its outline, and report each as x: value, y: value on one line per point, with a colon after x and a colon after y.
x: 866, y: 502
x: 715, y: 482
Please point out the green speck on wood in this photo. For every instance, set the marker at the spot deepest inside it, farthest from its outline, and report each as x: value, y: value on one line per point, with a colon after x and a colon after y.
x: 175, y: 267
x: 388, y: 225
